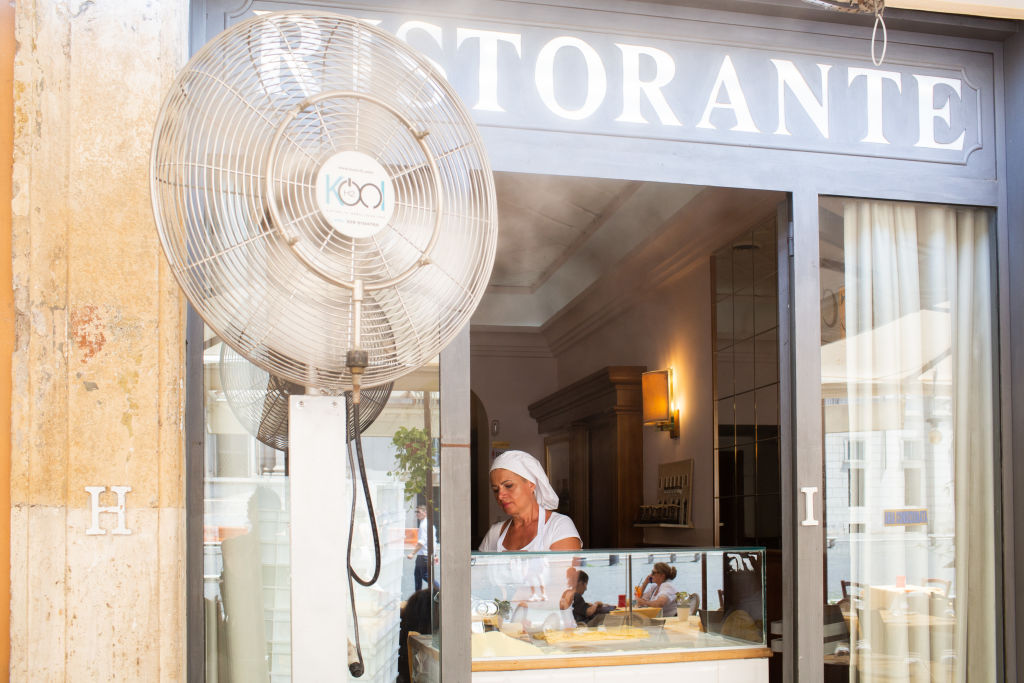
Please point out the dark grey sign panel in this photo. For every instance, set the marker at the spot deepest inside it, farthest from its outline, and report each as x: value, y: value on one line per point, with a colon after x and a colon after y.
x: 707, y: 82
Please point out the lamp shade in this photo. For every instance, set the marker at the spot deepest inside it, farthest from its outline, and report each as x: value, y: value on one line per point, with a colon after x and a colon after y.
x: 656, y: 396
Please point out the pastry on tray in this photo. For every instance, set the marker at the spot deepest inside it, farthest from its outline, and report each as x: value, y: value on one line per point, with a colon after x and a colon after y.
x: 496, y: 644
x: 593, y: 635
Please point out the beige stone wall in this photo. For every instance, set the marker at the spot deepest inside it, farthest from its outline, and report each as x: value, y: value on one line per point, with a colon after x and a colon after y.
x: 98, y: 366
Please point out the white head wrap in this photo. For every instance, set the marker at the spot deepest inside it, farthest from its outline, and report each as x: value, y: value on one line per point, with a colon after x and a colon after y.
x: 527, y: 467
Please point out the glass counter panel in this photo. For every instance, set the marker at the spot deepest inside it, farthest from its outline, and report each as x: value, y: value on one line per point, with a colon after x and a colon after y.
x: 592, y: 603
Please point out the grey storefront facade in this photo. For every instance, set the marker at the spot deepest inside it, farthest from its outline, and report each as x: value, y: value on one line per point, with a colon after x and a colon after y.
x: 779, y: 97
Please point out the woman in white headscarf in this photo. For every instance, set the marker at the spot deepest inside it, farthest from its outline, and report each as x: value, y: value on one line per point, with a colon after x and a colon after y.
x: 521, y: 487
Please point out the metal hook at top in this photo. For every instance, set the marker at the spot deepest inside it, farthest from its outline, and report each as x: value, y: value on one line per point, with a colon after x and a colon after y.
x: 879, y: 8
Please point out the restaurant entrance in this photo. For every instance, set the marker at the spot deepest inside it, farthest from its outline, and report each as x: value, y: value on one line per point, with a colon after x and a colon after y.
x: 810, y: 243
x: 597, y: 280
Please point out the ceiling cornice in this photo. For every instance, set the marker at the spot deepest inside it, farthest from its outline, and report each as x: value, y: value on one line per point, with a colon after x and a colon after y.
x: 693, y: 233
x: 496, y: 341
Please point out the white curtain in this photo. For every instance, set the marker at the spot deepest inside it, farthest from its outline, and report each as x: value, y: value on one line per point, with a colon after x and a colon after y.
x: 919, y: 352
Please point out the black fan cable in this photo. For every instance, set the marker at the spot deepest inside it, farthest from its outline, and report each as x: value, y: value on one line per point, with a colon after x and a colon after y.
x: 356, y: 668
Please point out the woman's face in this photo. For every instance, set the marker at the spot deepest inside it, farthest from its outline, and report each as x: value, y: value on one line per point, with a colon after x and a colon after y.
x: 657, y: 577
x: 513, y: 493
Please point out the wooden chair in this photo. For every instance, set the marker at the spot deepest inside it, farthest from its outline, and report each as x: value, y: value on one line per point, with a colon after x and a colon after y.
x: 836, y: 629
x: 847, y: 585
x: 408, y: 649
x: 944, y: 584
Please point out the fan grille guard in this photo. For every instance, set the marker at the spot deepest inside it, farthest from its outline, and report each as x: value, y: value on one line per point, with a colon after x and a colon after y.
x: 259, y: 400
x: 299, y: 153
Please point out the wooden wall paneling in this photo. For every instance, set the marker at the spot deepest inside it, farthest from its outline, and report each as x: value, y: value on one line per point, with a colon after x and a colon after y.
x: 602, y: 414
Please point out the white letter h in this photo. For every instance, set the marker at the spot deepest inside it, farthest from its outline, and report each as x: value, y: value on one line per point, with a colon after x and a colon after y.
x: 94, y: 494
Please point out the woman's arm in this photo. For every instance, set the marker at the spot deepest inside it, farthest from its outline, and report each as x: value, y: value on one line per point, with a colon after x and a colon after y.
x: 567, y: 544
x: 490, y: 541
x: 655, y: 601
x: 564, y: 532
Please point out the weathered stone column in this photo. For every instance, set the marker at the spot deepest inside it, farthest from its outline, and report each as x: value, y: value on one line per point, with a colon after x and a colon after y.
x: 98, y: 362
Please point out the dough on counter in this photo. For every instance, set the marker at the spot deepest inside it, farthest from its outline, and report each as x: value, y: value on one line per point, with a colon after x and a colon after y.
x: 685, y: 625
x: 512, y: 628
x: 594, y: 635
x: 495, y: 644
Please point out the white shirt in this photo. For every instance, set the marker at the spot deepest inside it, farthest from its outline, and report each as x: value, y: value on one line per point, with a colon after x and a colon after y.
x: 421, y: 539
x: 550, y: 530
x: 666, y: 589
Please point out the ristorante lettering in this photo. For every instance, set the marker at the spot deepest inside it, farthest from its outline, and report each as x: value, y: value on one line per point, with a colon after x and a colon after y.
x: 539, y: 76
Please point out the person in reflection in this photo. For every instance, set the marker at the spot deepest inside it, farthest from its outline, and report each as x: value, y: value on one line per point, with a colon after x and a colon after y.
x: 582, y: 611
x: 647, y: 588
x: 416, y: 617
x: 572, y: 575
x: 522, y: 489
x: 664, y: 595
x: 421, y: 571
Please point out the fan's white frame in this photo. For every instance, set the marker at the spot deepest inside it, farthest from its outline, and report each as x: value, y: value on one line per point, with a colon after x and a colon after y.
x: 319, y: 521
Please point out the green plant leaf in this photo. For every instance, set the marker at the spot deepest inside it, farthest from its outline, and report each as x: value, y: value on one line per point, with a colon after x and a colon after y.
x: 415, y: 458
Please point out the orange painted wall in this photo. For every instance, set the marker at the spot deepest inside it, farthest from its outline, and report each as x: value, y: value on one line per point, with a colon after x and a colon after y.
x: 7, y: 47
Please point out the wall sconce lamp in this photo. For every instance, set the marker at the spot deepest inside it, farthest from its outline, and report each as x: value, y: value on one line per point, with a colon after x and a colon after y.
x: 658, y: 407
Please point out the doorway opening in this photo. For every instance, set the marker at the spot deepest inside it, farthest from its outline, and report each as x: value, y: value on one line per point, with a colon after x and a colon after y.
x: 596, y: 279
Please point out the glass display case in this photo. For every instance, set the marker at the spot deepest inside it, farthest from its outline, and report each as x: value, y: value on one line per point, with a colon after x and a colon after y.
x: 700, y: 613
x: 591, y: 603
x: 695, y: 612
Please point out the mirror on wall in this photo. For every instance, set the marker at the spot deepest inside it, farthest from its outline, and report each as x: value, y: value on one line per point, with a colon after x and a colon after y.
x: 746, y: 333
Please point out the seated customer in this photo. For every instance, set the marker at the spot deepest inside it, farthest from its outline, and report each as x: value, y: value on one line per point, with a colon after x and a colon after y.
x: 582, y: 611
x: 647, y: 588
x: 415, y: 618
x: 664, y: 595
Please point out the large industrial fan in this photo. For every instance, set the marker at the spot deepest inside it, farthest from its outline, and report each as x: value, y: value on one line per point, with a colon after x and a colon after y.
x: 325, y: 202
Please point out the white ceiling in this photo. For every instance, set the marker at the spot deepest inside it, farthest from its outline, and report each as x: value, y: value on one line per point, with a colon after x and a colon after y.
x: 544, y: 219
x: 558, y: 235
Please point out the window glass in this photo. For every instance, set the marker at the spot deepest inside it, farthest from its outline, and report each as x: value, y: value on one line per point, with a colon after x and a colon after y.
x: 746, y: 367
x: 247, y: 572
x: 907, y: 350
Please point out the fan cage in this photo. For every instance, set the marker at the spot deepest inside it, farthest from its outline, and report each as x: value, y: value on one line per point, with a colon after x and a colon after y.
x: 248, y: 273
x: 260, y: 401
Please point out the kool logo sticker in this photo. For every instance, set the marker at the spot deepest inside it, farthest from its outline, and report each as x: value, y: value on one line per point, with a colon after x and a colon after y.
x: 355, y: 194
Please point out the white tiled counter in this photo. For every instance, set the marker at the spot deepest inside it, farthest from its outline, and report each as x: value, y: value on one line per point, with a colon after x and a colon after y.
x: 747, y: 664
x: 719, y: 671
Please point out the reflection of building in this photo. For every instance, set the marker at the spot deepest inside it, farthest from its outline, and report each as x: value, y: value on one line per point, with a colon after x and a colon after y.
x: 873, y: 472
x: 100, y: 385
